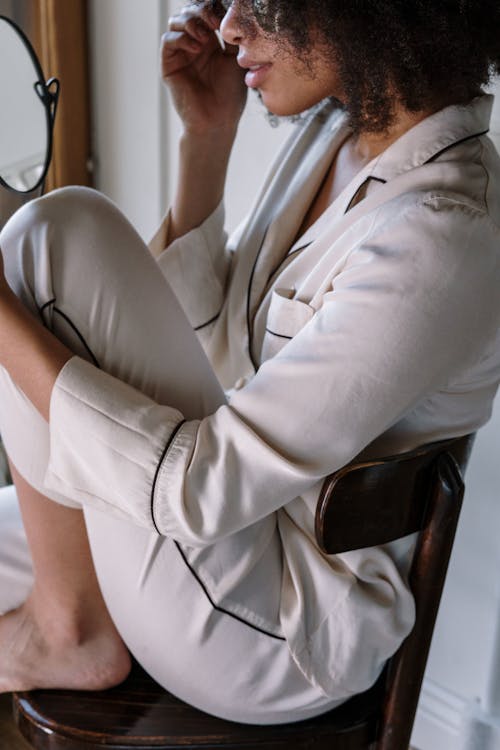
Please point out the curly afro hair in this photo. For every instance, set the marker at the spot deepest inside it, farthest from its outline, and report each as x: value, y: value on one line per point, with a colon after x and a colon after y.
x: 424, y: 53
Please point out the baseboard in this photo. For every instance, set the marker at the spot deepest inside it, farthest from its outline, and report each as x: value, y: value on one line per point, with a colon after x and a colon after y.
x: 439, y: 720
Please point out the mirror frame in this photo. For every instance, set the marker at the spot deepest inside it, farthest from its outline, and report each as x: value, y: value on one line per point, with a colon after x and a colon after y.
x: 48, y: 93
x: 58, y: 30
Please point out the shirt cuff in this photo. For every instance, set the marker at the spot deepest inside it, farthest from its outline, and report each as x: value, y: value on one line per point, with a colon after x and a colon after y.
x: 196, y: 266
x: 107, y: 441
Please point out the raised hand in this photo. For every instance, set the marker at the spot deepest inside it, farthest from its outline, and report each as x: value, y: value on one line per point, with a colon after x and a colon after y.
x: 206, y: 84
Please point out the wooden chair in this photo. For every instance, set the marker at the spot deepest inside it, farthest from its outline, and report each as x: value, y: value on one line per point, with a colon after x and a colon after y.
x: 361, y: 505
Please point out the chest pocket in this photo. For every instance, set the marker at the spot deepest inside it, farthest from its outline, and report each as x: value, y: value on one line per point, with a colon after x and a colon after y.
x: 285, y: 318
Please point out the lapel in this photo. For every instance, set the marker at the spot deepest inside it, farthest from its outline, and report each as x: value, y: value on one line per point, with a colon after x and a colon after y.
x: 291, y: 189
x: 420, y: 145
x: 285, y: 199
x: 409, y: 164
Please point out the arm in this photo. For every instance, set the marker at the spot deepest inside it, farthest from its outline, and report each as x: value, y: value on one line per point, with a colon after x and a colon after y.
x: 208, y: 91
x: 399, y: 324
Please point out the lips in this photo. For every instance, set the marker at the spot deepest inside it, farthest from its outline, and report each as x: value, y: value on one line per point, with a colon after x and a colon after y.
x: 256, y: 71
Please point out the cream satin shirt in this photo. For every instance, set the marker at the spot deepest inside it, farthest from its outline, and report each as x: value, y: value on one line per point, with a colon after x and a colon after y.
x: 378, y: 327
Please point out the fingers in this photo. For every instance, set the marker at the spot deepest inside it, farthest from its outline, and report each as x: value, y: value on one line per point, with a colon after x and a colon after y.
x: 193, y: 28
x: 195, y: 20
x: 190, y: 32
x: 178, y: 41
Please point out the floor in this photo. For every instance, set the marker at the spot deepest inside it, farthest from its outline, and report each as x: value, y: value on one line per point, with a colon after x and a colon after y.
x: 10, y: 739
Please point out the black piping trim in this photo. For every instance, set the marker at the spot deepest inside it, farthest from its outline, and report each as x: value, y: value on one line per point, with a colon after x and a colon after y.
x: 71, y: 325
x: 370, y: 177
x: 456, y: 143
x: 47, y: 304
x: 209, y: 322
x: 298, y: 249
x: 75, y: 329
x: 431, y: 159
x: 249, y: 292
x: 160, y: 462
x: 280, y: 335
x: 289, y: 254
x: 221, y: 609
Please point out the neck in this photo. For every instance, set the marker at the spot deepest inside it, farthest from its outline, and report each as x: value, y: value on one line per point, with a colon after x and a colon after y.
x: 368, y: 145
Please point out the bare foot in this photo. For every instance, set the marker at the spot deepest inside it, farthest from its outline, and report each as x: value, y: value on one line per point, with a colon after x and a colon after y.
x: 58, y: 654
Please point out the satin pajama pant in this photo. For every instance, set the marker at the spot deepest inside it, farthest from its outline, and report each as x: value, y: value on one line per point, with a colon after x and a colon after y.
x: 75, y: 261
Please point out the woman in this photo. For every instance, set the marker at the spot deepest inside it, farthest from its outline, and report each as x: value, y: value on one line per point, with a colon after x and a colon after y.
x: 356, y: 309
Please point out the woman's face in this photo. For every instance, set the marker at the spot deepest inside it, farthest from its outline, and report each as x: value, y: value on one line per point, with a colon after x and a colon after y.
x: 287, y: 84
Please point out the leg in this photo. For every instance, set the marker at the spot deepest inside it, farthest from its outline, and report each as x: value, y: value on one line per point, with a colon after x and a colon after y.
x: 77, y: 264
x: 224, y: 652
x: 225, y: 665
x: 62, y: 635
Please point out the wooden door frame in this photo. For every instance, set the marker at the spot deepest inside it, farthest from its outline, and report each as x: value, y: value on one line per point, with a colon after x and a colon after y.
x: 63, y: 50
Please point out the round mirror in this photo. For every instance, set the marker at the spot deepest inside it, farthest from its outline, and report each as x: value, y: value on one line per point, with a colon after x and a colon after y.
x: 27, y: 114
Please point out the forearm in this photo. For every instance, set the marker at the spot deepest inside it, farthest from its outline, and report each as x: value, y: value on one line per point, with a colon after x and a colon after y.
x: 202, y: 175
x: 30, y: 353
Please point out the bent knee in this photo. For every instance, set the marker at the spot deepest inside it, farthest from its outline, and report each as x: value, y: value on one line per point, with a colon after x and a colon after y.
x: 64, y: 209
x: 68, y: 223
x: 73, y: 200
x: 57, y: 242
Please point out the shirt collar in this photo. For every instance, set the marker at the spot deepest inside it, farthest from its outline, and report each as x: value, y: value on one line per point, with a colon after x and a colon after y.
x: 426, y: 140
x: 422, y: 143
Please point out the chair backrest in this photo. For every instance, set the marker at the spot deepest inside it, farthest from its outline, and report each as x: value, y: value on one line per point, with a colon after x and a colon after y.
x: 375, y: 502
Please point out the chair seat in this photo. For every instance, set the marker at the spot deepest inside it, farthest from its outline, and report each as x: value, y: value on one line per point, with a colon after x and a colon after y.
x: 139, y: 713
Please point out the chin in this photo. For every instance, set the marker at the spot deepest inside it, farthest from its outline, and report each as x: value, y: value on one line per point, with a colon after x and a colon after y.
x: 281, y: 107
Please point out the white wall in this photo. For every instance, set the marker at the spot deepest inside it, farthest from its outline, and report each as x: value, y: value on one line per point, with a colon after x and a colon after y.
x: 135, y: 148
x: 126, y: 102
x: 464, y: 664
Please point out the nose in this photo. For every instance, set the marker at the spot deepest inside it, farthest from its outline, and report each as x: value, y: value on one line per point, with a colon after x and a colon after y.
x: 230, y: 28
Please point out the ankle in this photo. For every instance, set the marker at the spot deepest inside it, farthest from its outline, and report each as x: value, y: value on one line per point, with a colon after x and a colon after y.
x: 70, y: 622
x: 61, y: 657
